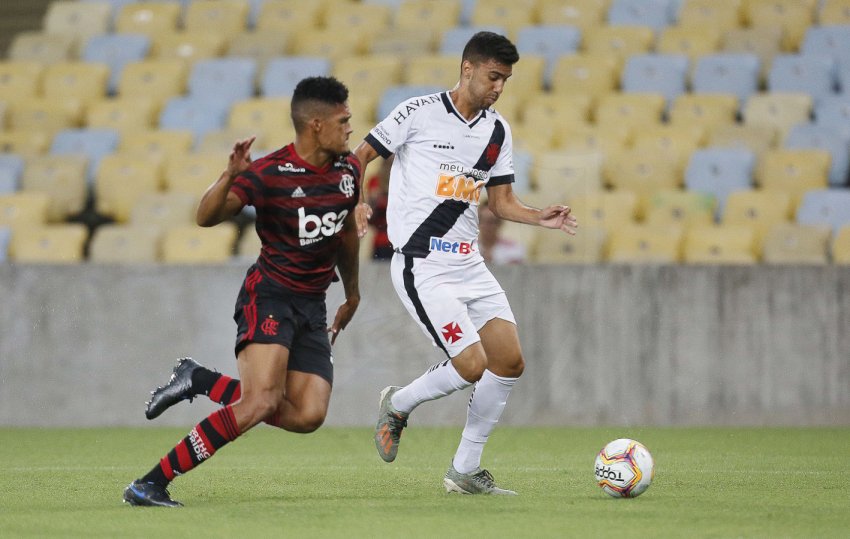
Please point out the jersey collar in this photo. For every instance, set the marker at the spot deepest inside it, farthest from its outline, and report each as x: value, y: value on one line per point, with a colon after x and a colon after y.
x: 451, y: 109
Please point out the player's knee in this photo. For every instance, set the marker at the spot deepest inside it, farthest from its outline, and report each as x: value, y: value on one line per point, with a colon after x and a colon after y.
x: 307, y: 422
x: 516, y: 368
x: 261, y: 406
x: 471, y: 367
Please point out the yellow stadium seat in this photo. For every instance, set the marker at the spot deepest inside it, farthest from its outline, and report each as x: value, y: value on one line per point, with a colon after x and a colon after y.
x: 536, y: 140
x: 645, y: 244
x: 25, y: 142
x: 841, y: 246
x: 434, y: 15
x: 80, y: 20
x: 635, y: 110
x: 680, y: 208
x: 792, y: 16
x: 706, y: 110
x: 189, y: 46
x: 759, y: 210
x: 588, y: 74
x: 642, y: 173
x: 763, y: 41
x: 284, y: 15
x: 834, y: 12
x: 249, y: 244
x: 790, y: 243
x: 559, y: 174
x: 556, y: 247
x: 440, y: 69
x: 47, y: 115
x: 712, y: 244
x: 51, y: 244
x: 121, y: 180
x: 157, y: 209
x: 125, y: 244
x: 509, y: 105
x: 330, y: 43
x: 148, y: 17
x: 793, y: 171
x: 607, y: 210
x: 220, y: 141
x: 263, y: 115
x: 609, y: 139
x: 41, y: 47
x: 621, y: 41
x: 369, y: 74
x: 508, y: 14
x: 583, y: 14
x: 191, y: 244
x: 779, y: 110
x: 159, y: 145
x: 83, y: 81
x: 259, y: 45
x: 193, y: 173
x: 153, y: 79
x: 20, y: 79
x: 123, y: 114
x: 527, y: 78
x: 224, y: 17
x: 711, y: 14
x: 63, y: 179
x: 408, y: 43
x: 756, y: 138
x: 677, y: 141
x: 691, y: 41
x: 560, y: 110
x: 23, y: 209
x: 356, y: 16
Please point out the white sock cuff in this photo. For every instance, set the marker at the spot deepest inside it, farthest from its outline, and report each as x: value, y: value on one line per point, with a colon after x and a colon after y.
x: 509, y: 382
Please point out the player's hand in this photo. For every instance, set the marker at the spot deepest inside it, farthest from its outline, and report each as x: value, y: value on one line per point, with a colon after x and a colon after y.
x: 343, y: 316
x: 557, y: 217
x: 240, y: 157
x: 362, y: 214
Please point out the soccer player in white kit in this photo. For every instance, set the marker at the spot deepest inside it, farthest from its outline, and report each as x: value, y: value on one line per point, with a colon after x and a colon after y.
x: 447, y: 147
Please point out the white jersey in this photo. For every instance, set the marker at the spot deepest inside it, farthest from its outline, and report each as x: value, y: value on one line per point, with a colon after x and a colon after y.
x: 441, y: 163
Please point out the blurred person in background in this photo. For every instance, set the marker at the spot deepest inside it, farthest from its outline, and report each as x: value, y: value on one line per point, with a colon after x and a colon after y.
x: 376, y: 189
x: 495, y: 248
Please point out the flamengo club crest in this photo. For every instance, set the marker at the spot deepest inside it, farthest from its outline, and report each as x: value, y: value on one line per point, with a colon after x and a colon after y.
x: 346, y: 185
x: 269, y: 326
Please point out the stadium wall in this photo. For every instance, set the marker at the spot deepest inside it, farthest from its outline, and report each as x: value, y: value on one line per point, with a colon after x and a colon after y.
x: 605, y: 345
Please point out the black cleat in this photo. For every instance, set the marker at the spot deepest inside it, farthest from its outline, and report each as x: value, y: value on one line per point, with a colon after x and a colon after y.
x: 178, y: 388
x: 148, y: 495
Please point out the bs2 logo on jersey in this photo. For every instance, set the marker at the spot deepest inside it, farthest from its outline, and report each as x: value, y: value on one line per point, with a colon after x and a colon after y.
x: 313, y: 228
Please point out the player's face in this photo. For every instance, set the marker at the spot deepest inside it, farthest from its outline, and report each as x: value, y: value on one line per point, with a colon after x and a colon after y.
x: 488, y: 81
x: 335, y: 129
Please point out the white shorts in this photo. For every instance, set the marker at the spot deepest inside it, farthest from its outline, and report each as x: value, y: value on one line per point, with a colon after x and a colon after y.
x: 450, y: 303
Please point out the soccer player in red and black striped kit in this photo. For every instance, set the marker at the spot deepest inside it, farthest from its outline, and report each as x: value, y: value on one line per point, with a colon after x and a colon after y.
x: 304, y: 195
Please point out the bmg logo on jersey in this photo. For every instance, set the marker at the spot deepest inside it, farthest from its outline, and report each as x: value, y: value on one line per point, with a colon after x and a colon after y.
x: 456, y: 247
x: 313, y: 228
x: 459, y: 187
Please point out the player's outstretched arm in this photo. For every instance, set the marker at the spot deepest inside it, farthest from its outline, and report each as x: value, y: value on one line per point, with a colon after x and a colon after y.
x: 365, y: 153
x: 505, y: 204
x: 218, y: 203
x: 348, y: 262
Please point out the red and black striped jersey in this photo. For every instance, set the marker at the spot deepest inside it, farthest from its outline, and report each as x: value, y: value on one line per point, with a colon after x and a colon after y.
x: 300, y: 214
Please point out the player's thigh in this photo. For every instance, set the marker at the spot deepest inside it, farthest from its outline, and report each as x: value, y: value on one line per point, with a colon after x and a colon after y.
x: 308, y: 393
x: 262, y: 369
x: 500, y: 340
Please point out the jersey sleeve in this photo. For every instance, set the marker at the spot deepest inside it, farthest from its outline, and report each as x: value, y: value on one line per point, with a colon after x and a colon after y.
x: 503, y: 171
x: 391, y: 132
x: 247, y: 187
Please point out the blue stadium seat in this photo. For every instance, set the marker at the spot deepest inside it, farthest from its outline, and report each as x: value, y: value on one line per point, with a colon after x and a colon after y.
x: 454, y: 39
x: 719, y: 172
x: 466, y: 9
x: 825, y: 138
x: 116, y: 51
x: 832, y: 41
x: 830, y: 207
x: 550, y: 42
x: 199, y: 115
x: 811, y: 74
x: 834, y: 112
x: 394, y: 95
x: 727, y: 74
x: 93, y: 143
x: 653, y: 13
x: 5, y: 237
x: 11, y: 169
x: 282, y: 74
x: 664, y: 74
x: 231, y: 79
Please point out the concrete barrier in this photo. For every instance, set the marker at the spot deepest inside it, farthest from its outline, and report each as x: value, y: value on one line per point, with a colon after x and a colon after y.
x: 613, y: 345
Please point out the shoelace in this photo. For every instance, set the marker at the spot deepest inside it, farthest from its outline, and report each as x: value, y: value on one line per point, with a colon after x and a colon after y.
x: 397, y: 422
x: 485, y: 478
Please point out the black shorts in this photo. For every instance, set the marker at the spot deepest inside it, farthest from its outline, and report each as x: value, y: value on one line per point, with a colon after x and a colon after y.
x: 267, y: 313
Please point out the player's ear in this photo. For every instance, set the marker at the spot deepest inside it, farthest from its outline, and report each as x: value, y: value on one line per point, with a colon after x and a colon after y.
x: 466, y: 69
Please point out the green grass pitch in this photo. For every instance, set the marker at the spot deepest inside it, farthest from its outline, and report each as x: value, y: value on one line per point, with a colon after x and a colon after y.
x: 709, y: 483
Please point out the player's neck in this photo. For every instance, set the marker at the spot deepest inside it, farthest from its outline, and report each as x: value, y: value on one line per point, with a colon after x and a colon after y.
x: 461, y: 101
x: 312, y: 154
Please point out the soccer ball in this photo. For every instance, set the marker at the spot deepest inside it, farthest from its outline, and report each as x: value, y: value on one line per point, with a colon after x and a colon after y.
x: 624, y: 468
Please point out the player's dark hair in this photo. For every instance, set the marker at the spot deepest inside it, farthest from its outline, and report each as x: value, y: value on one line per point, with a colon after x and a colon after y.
x: 485, y: 46
x: 312, y: 91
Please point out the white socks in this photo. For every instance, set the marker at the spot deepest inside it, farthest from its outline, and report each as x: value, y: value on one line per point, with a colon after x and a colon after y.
x: 485, y: 408
x: 442, y: 379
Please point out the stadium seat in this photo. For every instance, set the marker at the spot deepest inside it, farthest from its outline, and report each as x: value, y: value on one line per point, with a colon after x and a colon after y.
x: 220, y: 141
x: 191, y: 244
x: 793, y: 171
x: 41, y: 47
x: 555, y: 247
x: 370, y: 74
x: 655, y: 14
x: 764, y: 42
x: 834, y: 113
x: 193, y: 173
x: 619, y: 41
x: 736, y: 74
x: 11, y: 170
x: 590, y: 74
x: 790, y: 243
x: 549, y: 42
x: 840, y: 246
x: 713, y: 244
x: 25, y: 142
x: 693, y: 42
x: 719, y: 172
x: 455, y: 39
x: 781, y: 111
x: 439, y: 69
x: 559, y: 173
x: 330, y: 43
x: 825, y: 207
x: 641, y: 173
x: 159, y: 145
x: 23, y: 209
x: 562, y: 112
x: 197, y: 114
x: 158, y: 80
x: 80, y: 20
x: 805, y: 136
x: 124, y: 244
x: 248, y: 245
x: 511, y: 15
x: 360, y: 16
x: 793, y: 17
x: 188, y: 46
x: 677, y: 142
x: 710, y: 14
x: 583, y: 14
x: 707, y: 111
x: 223, y: 79
x: 63, y: 178
x: 19, y: 79
x: 123, y: 114
x: 163, y: 210
x: 260, y: 46
x: 606, y: 210
x: 635, y: 110
x: 608, y: 140
x: 82, y: 81
x: 394, y: 95
x: 664, y: 74
x: 282, y: 74
x: 528, y: 77
x: 148, y: 18
x: 811, y: 74
x: 834, y: 12
x: 49, y: 116
x: 645, y: 244
x: 93, y: 143
x: 223, y: 17
x: 121, y: 180
x: 284, y: 15
x: 260, y: 115
x: 831, y: 41
x: 5, y: 239
x: 50, y: 244
x: 116, y: 51
x: 760, y: 210
x: 672, y: 207
x: 756, y: 138
x: 408, y: 43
